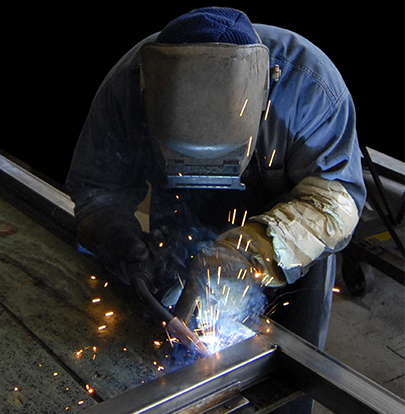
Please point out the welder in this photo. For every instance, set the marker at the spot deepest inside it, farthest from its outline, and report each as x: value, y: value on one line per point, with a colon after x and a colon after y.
x: 246, y: 135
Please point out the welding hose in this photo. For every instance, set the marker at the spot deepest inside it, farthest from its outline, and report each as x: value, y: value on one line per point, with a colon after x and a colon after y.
x: 139, y: 279
x: 148, y: 299
x: 191, y: 294
x: 173, y: 323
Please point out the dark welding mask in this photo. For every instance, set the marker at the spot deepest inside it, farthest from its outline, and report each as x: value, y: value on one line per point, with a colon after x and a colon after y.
x: 203, y: 105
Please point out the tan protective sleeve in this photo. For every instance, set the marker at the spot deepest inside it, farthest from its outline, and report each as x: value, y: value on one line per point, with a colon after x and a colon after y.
x: 320, y: 215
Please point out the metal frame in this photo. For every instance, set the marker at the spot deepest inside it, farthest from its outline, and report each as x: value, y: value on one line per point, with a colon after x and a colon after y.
x: 44, y: 203
x: 211, y: 382
x: 229, y: 371
x: 330, y: 382
x: 224, y: 376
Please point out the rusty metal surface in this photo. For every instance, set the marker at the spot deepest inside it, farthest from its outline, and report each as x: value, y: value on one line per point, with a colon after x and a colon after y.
x: 49, y: 323
x: 7, y: 229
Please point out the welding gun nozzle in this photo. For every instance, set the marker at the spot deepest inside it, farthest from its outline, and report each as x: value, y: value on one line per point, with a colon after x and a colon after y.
x: 187, y: 337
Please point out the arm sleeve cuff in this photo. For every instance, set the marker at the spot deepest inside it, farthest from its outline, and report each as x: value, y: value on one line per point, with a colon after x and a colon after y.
x: 320, y: 217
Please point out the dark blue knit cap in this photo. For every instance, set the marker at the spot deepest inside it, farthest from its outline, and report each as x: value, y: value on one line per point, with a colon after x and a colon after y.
x: 210, y: 24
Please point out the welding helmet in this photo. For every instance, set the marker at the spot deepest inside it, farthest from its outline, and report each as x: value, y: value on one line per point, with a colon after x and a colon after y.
x: 203, y: 105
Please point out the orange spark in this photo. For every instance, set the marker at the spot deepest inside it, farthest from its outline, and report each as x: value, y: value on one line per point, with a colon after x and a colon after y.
x: 267, y: 110
x: 244, y: 107
x: 272, y: 157
x: 227, y: 295
x: 239, y: 241
x: 245, y: 291
x: 249, y: 145
x: 181, y: 282
x: 244, y: 218
x: 234, y: 216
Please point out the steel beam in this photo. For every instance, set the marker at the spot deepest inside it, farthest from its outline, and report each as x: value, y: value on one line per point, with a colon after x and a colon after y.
x: 333, y: 384
x: 193, y: 387
x: 41, y: 201
x: 200, y: 386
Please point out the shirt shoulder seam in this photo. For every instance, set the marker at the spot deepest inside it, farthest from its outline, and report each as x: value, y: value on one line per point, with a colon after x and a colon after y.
x: 334, y: 99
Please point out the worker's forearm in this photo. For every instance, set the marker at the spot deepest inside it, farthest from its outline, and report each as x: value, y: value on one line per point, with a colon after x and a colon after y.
x: 321, y: 216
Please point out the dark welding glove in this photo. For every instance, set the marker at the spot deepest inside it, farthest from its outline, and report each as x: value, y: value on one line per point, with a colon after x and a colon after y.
x: 115, y: 237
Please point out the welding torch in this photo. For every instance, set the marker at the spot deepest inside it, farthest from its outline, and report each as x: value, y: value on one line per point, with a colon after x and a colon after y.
x: 140, y: 280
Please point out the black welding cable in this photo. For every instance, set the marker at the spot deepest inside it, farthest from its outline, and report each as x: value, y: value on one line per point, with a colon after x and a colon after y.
x: 158, y: 310
x: 186, y: 336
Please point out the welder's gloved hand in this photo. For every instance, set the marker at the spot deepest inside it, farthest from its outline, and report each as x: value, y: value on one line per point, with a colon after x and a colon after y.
x: 229, y: 276
x: 114, y: 236
x: 252, y: 243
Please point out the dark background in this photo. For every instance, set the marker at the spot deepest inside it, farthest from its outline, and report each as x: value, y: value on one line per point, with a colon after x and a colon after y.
x: 56, y: 57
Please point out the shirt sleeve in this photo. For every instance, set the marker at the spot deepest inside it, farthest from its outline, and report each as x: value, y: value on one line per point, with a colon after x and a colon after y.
x: 324, y: 164
x: 329, y: 149
x: 107, y: 168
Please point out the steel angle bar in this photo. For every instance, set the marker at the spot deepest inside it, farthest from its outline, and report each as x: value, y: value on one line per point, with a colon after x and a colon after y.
x: 40, y: 187
x: 222, y: 374
x: 328, y: 381
x: 211, y: 380
x: 44, y: 203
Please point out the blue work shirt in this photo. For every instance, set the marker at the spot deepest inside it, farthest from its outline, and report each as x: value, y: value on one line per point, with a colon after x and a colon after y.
x: 310, y: 130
